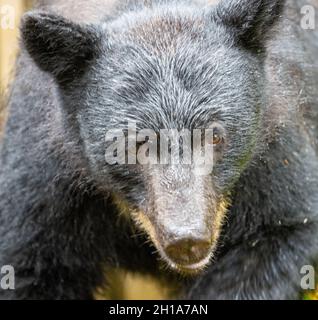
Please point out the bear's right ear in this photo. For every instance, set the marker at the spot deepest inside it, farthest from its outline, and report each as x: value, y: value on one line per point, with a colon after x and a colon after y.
x: 58, y: 45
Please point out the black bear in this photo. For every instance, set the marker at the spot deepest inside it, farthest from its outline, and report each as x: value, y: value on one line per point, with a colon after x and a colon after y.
x: 244, y: 69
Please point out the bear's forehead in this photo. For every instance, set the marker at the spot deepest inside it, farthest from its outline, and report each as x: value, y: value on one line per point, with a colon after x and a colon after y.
x: 164, y: 32
x: 161, y: 31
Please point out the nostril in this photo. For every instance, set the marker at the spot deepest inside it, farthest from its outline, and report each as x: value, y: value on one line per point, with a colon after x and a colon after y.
x: 188, y: 251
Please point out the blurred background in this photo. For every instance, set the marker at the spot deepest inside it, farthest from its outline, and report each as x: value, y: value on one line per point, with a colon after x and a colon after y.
x: 10, y: 13
x: 123, y: 286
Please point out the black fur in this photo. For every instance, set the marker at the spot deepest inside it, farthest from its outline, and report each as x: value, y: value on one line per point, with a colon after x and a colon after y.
x: 249, y: 20
x: 167, y: 64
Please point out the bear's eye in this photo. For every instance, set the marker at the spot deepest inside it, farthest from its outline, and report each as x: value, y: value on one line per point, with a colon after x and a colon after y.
x: 218, y: 137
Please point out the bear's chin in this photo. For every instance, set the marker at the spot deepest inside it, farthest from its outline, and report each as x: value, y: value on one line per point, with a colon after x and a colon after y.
x: 189, y: 269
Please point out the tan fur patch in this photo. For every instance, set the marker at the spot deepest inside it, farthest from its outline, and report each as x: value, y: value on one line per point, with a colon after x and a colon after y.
x: 144, y: 224
x: 125, y: 285
x: 122, y: 206
x: 220, y: 216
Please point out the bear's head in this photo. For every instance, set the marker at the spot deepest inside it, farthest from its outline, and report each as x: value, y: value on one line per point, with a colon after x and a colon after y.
x: 155, y: 78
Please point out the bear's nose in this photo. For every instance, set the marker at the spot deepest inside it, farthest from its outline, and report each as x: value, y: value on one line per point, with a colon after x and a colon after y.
x: 188, y: 251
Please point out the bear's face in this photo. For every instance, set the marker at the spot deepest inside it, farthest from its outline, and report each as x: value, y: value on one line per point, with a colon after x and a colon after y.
x: 134, y: 82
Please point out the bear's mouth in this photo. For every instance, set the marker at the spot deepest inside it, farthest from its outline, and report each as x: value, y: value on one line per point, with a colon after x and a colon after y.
x: 187, y: 269
x: 192, y: 268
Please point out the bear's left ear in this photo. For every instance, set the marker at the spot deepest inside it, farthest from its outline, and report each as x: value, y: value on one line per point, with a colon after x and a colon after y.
x: 249, y: 20
x: 58, y: 45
